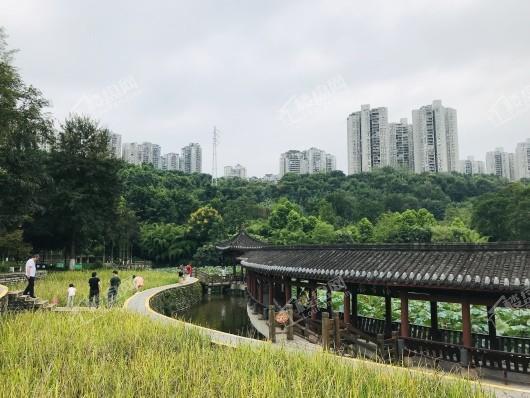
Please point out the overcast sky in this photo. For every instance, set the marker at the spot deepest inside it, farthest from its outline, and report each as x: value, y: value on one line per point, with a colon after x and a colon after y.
x: 276, y: 75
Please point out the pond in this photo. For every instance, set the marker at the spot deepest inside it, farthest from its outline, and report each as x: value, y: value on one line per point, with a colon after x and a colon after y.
x: 223, y: 312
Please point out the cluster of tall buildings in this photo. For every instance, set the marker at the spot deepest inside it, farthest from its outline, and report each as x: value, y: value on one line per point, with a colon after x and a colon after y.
x: 310, y: 161
x: 429, y: 144
x: 189, y: 160
x: 236, y: 171
x: 514, y: 166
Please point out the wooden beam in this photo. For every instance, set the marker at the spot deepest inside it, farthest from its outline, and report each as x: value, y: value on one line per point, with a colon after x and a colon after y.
x: 287, y: 290
x: 347, y: 309
x: 492, y: 328
x: 404, y: 314
x: 313, y: 298
x: 329, y: 305
x: 271, y: 292
x: 354, y: 307
x: 388, y: 316
x: 466, y: 324
x: 435, y: 332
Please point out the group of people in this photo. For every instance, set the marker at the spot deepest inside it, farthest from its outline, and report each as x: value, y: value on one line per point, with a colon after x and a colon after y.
x: 94, y: 284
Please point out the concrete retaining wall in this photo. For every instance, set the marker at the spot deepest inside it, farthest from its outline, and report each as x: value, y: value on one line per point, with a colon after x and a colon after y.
x: 172, y: 301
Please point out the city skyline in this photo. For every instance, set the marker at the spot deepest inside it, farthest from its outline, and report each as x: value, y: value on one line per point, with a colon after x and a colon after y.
x: 197, y: 75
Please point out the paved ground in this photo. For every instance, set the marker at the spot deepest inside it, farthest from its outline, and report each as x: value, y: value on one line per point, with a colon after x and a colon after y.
x: 140, y: 303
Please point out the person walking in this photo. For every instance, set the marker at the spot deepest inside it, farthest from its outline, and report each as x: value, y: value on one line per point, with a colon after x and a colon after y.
x: 93, y: 295
x: 71, y: 295
x: 31, y: 273
x: 113, y: 289
x: 138, y: 282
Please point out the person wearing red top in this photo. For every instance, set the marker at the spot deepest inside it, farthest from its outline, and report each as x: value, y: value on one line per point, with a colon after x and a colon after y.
x: 189, y: 269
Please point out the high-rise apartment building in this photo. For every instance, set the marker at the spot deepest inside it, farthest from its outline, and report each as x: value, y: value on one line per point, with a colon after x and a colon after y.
x: 237, y: 171
x: 471, y: 166
x: 435, y: 138
x: 310, y: 161
x: 368, y: 139
x: 132, y: 153
x: 172, y: 161
x: 115, y: 145
x: 191, y: 159
x: 331, y: 162
x: 292, y: 162
x: 144, y: 153
x: 500, y: 163
x: 401, y: 148
x: 522, y: 160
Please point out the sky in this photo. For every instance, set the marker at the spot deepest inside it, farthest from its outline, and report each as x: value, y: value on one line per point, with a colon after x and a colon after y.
x: 276, y: 75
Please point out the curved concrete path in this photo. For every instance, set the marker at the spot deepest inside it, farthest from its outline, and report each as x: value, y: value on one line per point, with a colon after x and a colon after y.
x: 139, y: 303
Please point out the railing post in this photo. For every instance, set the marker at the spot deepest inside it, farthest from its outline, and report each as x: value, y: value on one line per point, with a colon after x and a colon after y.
x: 325, y: 330
x: 336, y: 325
x: 290, y: 330
x: 272, y: 326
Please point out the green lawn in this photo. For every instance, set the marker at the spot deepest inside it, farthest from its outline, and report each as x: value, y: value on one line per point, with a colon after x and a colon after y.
x: 54, y: 285
x: 111, y: 353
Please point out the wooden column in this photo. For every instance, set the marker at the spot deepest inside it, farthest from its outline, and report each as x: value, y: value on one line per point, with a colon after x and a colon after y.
x: 466, y: 324
x: 354, y: 308
x: 329, y: 306
x: 492, y: 328
x: 260, y: 292
x: 313, y: 300
x: 404, y: 314
x: 271, y: 291
x: 347, y: 309
x: 287, y: 290
x: 435, y: 333
x: 388, y: 316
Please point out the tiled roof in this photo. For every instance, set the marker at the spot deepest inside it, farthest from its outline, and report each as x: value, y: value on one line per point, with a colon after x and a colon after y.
x: 242, y: 241
x: 485, y: 267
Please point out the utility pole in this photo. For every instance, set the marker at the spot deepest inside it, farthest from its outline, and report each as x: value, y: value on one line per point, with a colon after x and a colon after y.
x: 214, y: 156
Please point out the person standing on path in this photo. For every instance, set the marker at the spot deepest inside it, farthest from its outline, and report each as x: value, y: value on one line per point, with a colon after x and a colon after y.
x: 93, y: 295
x: 31, y: 273
x: 113, y: 289
x: 71, y: 295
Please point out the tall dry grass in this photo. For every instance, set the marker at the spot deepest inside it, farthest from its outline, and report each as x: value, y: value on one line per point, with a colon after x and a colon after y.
x: 111, y: 353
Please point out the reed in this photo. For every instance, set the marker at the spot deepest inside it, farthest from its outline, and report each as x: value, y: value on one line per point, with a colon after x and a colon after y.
x: 114, y: 353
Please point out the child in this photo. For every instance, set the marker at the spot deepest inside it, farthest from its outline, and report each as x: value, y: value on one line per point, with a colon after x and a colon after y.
x: 138, y: 282
x: 71, y: 295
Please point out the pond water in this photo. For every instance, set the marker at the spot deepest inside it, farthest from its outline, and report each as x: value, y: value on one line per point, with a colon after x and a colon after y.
x: 226, y: 313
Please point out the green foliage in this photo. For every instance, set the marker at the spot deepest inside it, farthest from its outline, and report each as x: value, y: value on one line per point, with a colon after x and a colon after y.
x: 207, y: 255
x: 12, y: 245
x: 166, y: 242
x: 505, y: 214
x: 24, y: 125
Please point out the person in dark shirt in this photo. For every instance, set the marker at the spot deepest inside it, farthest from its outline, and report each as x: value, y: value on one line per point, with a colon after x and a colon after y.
x: 93, y: 295
x: 113, y: 289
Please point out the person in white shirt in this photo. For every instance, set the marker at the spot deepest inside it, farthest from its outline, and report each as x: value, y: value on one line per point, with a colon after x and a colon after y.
x: 71, y: 295
x: 31, y: 272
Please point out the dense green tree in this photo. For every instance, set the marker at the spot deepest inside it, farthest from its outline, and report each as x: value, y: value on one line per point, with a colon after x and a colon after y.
x: 504, y: 215
x: 24, y: 126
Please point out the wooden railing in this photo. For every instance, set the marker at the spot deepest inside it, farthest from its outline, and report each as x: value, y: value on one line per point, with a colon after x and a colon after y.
x: 209, y: 279
x: 517, y: 345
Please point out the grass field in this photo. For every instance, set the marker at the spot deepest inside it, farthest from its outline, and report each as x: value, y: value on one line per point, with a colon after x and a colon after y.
x: 54, y: 285
x: 114, y: 353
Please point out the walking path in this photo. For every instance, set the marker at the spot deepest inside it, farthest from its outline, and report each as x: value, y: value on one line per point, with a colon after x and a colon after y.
x: 139, y: 303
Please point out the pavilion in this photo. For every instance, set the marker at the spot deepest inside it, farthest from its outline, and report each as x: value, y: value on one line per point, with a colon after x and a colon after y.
x: 493, y: 275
